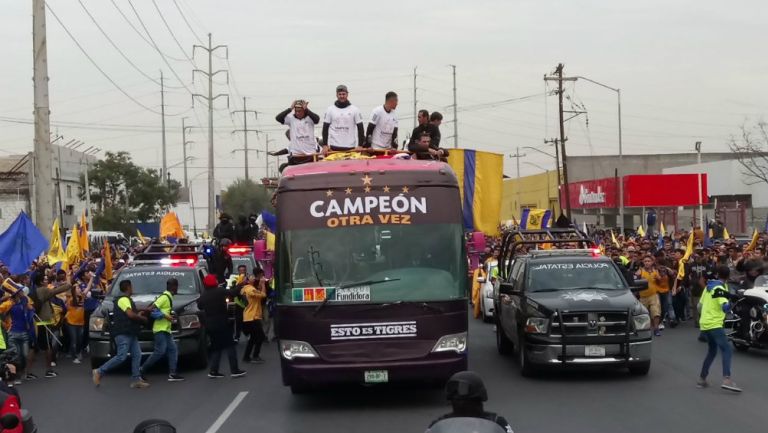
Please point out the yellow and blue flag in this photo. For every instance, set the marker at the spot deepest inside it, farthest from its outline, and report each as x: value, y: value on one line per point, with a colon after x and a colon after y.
x: 170, y: 227
x: 533, y: 219
x: 480, y: 177
x: 56, y: 251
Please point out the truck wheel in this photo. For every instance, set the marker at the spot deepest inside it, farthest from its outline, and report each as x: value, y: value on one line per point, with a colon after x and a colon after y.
x: 299, y: 389
x: 640, y: 368
x: 503, y: 344
x: 526, y: 368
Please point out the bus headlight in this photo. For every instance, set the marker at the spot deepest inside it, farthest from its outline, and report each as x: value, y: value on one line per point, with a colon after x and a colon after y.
x: 96, y: 324
x: 452, y: 343
x: 642, y: 322
x: 291, y: 349
x: 189, y: 321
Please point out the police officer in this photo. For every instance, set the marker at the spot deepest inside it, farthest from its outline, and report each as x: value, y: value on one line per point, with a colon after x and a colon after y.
x: 466, y: 392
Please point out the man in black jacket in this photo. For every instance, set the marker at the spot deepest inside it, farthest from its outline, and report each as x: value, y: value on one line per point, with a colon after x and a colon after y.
x: 225, y: 229
x: 213, y: 303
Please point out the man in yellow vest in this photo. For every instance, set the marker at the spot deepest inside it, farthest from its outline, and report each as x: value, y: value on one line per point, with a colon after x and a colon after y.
x: 164, y: 343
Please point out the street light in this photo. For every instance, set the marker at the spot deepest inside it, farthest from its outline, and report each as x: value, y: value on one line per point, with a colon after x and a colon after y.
x: 539, y: 150
x: 619, y: 168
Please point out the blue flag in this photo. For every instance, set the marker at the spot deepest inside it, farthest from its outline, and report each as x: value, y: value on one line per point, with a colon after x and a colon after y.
x: 21, y: 244
x: 708, y: 243
x: 270, y: 220
x: 660, y: 242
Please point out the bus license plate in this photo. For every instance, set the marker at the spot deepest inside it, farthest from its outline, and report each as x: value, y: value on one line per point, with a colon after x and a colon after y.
x: 376, y: 376
x: 594, y: 351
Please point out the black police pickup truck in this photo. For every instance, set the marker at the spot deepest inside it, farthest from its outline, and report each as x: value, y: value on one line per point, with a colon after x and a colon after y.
x: 568, y: 305
x: 149, y: 272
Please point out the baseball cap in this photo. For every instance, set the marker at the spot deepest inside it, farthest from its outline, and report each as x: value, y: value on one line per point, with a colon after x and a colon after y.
x: 341, y: 88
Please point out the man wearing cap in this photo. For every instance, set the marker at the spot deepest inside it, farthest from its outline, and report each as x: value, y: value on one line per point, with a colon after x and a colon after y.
x: 382, y: 128
x: 343, y: 124
x: 301, y: 131
x: 213, y: 303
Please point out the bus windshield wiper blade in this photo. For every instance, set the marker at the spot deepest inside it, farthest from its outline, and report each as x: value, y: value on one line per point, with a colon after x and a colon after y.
x: 356, y: 284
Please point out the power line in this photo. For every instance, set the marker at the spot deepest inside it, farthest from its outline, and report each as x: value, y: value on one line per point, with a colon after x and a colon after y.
x: 93, y: 62
x: 189, y: 26
x: 167, y: 26
x: 138, y: 32
x: 154, y: 44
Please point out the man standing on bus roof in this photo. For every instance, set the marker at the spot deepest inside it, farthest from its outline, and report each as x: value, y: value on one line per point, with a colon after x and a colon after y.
x: 301, y: 131
x: 343, y: 124
x: 382, y: 128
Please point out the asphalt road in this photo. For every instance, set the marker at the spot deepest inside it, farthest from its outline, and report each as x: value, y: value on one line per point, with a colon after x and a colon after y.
x: 594, y: 401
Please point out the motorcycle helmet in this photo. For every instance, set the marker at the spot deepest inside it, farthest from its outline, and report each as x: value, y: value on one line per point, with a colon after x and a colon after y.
x: 753, y: 268
x: 466, y: 385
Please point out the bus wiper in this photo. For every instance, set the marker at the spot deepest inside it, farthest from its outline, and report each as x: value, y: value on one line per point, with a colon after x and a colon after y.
x: 348, y: 285
x: 545, y: 290
x: 314, y: 256
x: 426, y: 306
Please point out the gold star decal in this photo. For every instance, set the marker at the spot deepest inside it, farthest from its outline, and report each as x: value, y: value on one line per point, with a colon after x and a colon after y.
x: 348, y: 191
x: 405, y: 189
x: 366, y: 180
x: 386, y: 189
x: 329, y: 193
x: 367, y: 189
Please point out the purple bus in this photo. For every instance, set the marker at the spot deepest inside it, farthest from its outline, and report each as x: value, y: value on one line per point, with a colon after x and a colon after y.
x: 371, y: 273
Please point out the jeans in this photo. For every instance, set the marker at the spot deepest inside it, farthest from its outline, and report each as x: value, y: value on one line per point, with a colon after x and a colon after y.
x: 20, y: 340
x: 716, y: 338
x: 679, y: 303
x: 255, y: 331
x: 221, y: 341
x: 666, y: 306
x: 75, y: 333
x: 125, y: 344
x: 164, y: 346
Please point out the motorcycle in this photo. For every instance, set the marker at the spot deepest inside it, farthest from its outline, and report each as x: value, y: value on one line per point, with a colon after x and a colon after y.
x: 468, y: 425
x: 748, y: 322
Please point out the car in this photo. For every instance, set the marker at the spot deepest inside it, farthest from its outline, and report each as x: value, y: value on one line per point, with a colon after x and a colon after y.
x: 487, y: 290
x: 568, y: 307
x: 148, y: 273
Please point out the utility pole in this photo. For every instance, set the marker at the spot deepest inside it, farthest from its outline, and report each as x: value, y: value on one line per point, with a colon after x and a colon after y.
x: 555, y: 141
x: 517, y: 155
x: 698, y: 169
x: 455, y: 119
x: 184, y: 143
x: 245, y: 130
x: 164, y: 171
x: 210, y: 99
x: 558, y: 76
x: 415, y: 108
x: 43, y: 202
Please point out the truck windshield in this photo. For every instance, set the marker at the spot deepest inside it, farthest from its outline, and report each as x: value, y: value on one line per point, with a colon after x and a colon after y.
x: 152, y: 281
x: 425, y: 263
x: 573, y: 275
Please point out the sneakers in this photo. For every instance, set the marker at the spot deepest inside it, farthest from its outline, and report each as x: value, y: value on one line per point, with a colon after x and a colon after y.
x: 661, y: 326
x: 96, y: 376
x: 175, y: 378
x: 730, y: 385
x: 657, y: 333
x: 50, y: 374
x: 17, y: 382
x: 238, y: 373
x: 256, y: 360
x: 139, y: 384
x: 77, y: 361
x: 215, y: 375
x: 674, y: 323
x: 30, y: 376
x: 701, y: 383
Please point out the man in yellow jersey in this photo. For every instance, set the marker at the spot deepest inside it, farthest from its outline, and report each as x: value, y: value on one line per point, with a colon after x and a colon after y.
x: 164, y: 343
x: 650, y: 297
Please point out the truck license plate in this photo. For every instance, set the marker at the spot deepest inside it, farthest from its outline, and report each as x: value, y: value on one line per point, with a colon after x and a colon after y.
x: 594, y: 351
x: 376, y: 376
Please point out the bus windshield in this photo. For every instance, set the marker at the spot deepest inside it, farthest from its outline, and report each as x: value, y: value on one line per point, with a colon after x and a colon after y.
x: 417, y: 262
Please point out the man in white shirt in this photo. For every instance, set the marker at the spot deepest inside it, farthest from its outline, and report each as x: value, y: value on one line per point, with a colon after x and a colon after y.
x: 382, y: 128
x: 301, y: 131
x: 343, y: 124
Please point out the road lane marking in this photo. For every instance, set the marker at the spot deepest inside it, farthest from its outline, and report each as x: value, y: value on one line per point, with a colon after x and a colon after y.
x: 227, y: 412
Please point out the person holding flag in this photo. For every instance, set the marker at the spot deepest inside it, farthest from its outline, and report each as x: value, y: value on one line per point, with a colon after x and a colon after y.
x: 44, y: 317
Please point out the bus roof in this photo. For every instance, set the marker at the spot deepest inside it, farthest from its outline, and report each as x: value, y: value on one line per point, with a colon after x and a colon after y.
x: 336, y: 173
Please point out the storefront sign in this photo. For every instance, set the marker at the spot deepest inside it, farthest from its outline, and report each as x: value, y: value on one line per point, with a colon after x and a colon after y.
x: 664, y: 190
x: 591, y: 194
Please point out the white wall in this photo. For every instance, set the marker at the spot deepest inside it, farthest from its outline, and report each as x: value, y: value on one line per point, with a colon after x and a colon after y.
x: 726, y: 178
x: 198, y: 193
x: 10, y: 206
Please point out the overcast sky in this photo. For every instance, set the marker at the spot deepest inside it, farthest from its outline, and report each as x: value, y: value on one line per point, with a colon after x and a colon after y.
x: 688, y: 70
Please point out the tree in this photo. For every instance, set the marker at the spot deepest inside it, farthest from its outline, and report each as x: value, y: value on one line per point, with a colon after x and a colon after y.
x: 244, y: 197
x: 751, y: 150
x: 122, y: 192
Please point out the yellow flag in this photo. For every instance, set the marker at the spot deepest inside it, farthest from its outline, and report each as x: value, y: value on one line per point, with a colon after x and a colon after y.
x: 753, y: 243
x: 726, y: 236
x: 686, y: 256
x: 85, y: 244
x: 142, y: 239
x: 72, y: 254
x: 663, y: 230
x: 270, y: 241
x: 107, y: 257
x: 170, y: 226
x: 613, y: 239
x: 641, y: 231
x: 56, y: 252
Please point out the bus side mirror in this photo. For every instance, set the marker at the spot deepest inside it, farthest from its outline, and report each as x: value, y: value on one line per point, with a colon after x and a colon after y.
x: 639, y: 285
